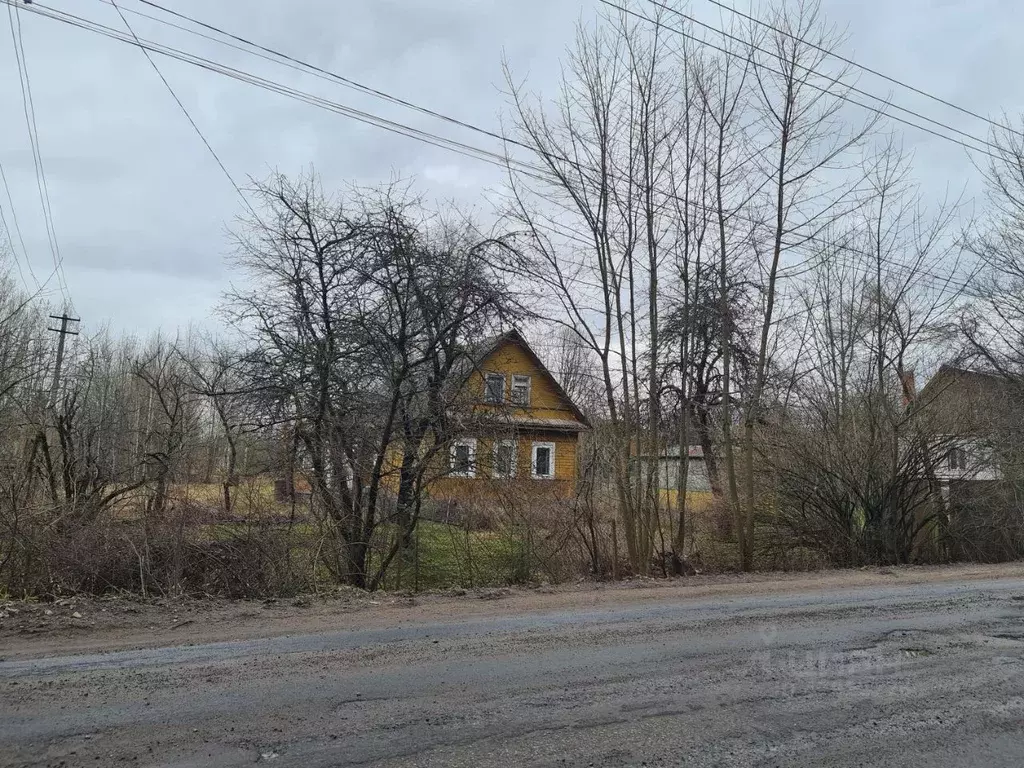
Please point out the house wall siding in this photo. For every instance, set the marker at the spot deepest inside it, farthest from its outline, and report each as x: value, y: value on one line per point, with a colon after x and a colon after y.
x: 545, y: 400
x: 485, y: 485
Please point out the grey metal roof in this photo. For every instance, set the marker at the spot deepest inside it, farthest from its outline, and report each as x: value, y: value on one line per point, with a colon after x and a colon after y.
x: 672, y: 452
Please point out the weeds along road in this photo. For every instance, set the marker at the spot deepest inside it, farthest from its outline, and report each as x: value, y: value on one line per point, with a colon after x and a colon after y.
x: 928, y: 674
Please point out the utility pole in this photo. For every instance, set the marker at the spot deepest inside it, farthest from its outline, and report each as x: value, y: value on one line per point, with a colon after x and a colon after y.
x: 64, y: 331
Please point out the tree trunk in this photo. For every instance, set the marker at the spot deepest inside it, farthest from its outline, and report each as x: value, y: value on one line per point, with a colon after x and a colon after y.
x: 406, y: 500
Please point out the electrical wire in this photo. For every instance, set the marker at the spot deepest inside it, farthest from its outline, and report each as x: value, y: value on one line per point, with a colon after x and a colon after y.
x: 442, y: 142
x: 499, y: 160
x: 17, y: 230
x: 863, y: 67
x: 199, y: 132
x: 242, y: 76
x: 298, y: 64
x: 269, y: 54
x: 834, y: 81
x: 185, y: 111
x: 28, y: 106
x: 821, y: 89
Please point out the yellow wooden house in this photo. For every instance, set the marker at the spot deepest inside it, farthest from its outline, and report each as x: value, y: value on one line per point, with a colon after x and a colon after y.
x: 522, y: 429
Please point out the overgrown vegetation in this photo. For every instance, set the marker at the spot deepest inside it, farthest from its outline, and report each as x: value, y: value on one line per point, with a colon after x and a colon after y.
x: 721, y: 253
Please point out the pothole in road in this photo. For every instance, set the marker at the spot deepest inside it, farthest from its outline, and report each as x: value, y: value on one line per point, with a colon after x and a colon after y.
x: 1016, y: 636
x: 908, y: 634
x: 916, y: 652
x: 915, y: 643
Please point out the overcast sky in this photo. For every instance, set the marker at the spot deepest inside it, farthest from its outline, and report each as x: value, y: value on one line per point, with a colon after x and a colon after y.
x: 141, y: 209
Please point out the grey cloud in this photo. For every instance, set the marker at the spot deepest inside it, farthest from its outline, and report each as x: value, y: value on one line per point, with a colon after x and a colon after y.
x: 141, y: 209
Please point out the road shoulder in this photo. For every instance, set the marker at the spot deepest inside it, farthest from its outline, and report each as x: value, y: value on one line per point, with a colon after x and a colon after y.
x: 94, y: 625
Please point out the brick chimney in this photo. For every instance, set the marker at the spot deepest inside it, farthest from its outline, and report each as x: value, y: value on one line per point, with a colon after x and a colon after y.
x: 909, y: 386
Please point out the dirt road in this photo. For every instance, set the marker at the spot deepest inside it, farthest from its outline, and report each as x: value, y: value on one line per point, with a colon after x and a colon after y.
x: 876, y: 669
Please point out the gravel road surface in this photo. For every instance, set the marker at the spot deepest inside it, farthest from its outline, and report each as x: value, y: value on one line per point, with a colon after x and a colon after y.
x: 927, y: 674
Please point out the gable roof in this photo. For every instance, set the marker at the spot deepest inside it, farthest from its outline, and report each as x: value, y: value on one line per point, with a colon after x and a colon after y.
x: 672, y: 452
x: 986, y: 383
x: 964, y: 401
x: 489, y: 346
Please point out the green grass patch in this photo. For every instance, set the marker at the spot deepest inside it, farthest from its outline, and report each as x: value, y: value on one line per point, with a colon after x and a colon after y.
x: 441, y: 556
x: 446, y: 556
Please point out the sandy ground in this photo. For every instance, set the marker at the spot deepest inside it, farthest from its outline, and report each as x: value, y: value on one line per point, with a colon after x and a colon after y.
x: 84, y: 625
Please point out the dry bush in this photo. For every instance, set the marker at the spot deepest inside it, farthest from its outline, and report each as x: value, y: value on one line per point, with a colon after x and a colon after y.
x: 985, y: 522
x: 254, y: 562
x: 93, y: 559
x: 518, y: 536
x: 180, y: 552
x: 713, y: 546
x: 565, y: 538
x: 777, y: 551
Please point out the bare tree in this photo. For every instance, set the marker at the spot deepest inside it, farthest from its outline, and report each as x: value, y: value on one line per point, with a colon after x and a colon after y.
x: 993, y: 326
x: 599, y: 224
x: 22, y: 382
x: 723, y: 86
x: 809, y: 140
x: 218, y: 376
x: 172, y: 419
x: 363, y: 316
x: 855, y: 455
x: 577, y: 372
x: 994, y: 330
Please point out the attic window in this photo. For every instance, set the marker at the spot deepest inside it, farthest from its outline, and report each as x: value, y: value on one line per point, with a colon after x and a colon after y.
x: 521, y: 390
x: 957, y: 458
x: 494, y: 388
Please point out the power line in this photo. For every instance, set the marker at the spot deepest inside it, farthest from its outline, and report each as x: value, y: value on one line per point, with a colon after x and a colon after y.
x: 28, y: 106
x: 184, y: 110
x: 865, y: 68
x: 40, y: 287
x: 297, y: 64
x: 500, y: 160
x: 17, y: 229
x: 294, y: 63
x: 442, y: 142
x: 14, y: 253
x: 943, y: 280
x: 275, y: 87
x: 334, y: 77
x: 816, y: 87
x: 662, y: 25
x: 247, y: 77
x: 851, y: 88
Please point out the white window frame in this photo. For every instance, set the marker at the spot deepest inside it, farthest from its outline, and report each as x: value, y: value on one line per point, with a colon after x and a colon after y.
x: 494, y: 462
x: 470, y: 443
x: 957, y: 459
x: 521, y: 378
x: 551, y: 460
x: 487, y: 388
